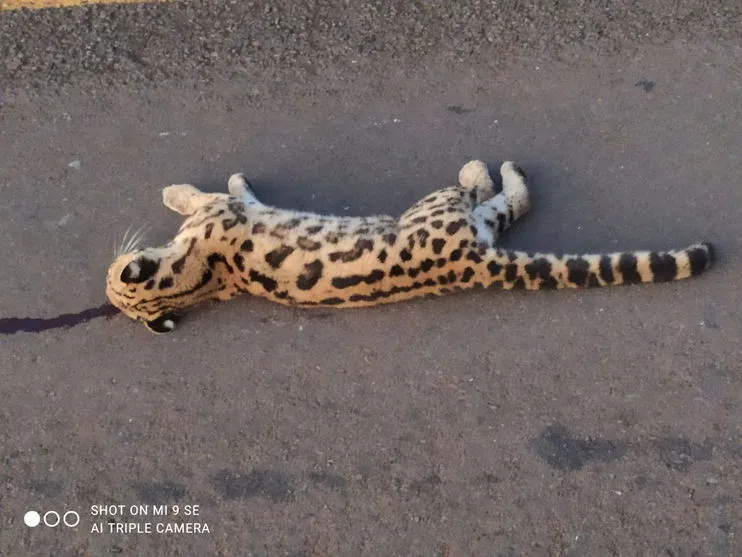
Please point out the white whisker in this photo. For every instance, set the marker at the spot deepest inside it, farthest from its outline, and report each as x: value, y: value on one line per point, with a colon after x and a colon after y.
x: 136, y: 239
x: 123, y: 241
x: 131, y: 242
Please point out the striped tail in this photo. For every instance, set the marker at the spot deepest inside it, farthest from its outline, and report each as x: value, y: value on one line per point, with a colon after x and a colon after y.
x: 514, y: 269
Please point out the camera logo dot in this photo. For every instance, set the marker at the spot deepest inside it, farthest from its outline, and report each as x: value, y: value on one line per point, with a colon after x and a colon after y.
x: 32, y: 519
x: 51, y: 519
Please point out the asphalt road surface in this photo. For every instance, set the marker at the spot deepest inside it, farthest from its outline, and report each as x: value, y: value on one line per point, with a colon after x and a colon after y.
x: 506, y: 424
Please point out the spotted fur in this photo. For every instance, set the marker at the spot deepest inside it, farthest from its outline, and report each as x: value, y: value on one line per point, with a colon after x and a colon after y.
x: 232, y: 244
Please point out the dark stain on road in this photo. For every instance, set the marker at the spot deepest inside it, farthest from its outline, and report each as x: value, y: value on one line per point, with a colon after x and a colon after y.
x: 563, y: 451
x: 487, y: 478
x: 276, y: 486
x: 458, y: 109
x: 679, y: 453
x: 45, y: 488
x: 427, y: 485
x: 326, y: 479
x: 159, y: 493
x: 12, y: 325
x: 645, y: 85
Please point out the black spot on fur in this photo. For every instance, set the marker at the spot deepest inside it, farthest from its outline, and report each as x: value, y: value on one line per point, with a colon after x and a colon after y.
x: 166, y: 282
x: 282, y: 295
x: 353, y: 254
x: 494, y: 268
x: 354, y: 280
x: 437, y: 224
x: 178, y: 264
x: 463, y: 244
x: 312, y: 273
x: 511, y: 272
x: 239, y: 262
x: 468, y: 274
x: 215, y: 258
x: 663, y: 267
x: 382, y: 256
x: 549, y: 283
x: 139, y: 271
x: 456, y: 255
x: 627, y: 266
x: 437, y: 213
x: 258, y: 228
x: 474, y: 256
x: 592, y: 280
x: 422, y: 237
x: 442, y: 279
x: 577, y: 271
x: 332, y: 301
x: 396, y: 271
x: 700, y: 259
x: 454, y: 227
x: 419, y: 220
x: 209, y: 229
x: 238, y: 216
x: 606, y: 269
x: 451, y: 276
x: 314, y: 229
x: 538, y: 268
x: 389, y: 238
x: 441, y: 262
x: 413, y: 272
x: 307, y: 244
x: 293, y: 223
x: 276, y: 257
x: 247, y: 246
x: 375, y: 295
x: 438, y: 245
x: 405, y: 255
x: 429, y: 282
x: 501, y: 222
x: 268, y: 283
x: 150, y: 285
x: 426, y: 265
x: 205, y: 279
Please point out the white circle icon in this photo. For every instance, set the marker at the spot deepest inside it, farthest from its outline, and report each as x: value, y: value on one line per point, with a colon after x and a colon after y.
x: 32, y: 519
x: 49, y: 522
x: 73, y: 521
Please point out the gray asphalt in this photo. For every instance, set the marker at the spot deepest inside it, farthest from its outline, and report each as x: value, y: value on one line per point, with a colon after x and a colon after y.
x: 602, y: 422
